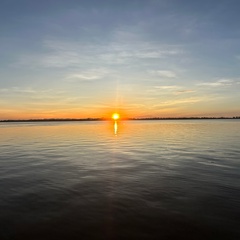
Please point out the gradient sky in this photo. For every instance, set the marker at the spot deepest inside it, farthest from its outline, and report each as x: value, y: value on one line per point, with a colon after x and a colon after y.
x: 145, y: 58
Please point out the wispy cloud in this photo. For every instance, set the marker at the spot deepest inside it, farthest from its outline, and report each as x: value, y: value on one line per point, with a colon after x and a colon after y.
x: 62, y: 54
x: 185, y: 91
x: 16, y: 90
x: 169, y: 87
x: 164, y: 73
x: 29, y: 96
x: 117, y: 53
x: 170, y: 91
x: 29, y: 91
x: 89, y: 75
x: 219, y: 83
x: 179, y: 102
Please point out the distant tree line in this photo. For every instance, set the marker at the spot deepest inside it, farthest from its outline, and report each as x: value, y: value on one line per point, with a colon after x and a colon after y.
x: 183, y: 118
x: 52, y: 120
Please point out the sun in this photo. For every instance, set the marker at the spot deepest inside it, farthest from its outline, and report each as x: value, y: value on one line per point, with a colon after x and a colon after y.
x: 115, y: 116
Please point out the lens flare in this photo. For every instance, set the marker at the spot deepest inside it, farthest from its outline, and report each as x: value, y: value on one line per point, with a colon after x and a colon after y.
x: 115, y: 116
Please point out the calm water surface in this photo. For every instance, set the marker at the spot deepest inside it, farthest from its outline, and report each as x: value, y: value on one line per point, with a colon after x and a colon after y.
x: 134, y: 180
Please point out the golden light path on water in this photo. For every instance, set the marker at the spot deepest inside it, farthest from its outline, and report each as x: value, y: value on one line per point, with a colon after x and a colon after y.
x: 115, y: 117
x: 115, y: 128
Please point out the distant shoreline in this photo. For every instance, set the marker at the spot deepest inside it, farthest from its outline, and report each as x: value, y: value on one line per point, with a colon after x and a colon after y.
x: 104, y: 119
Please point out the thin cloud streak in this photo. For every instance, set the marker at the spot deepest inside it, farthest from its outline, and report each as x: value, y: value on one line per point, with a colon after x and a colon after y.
x: 170, y: 87
x: 179, y: 101
x: 90, y: 75
x: 219, y: 83
x: 164, y: 73
x: 185, y: 91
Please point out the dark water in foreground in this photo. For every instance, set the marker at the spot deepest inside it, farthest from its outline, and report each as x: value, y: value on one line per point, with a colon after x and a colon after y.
x: 150, y: 180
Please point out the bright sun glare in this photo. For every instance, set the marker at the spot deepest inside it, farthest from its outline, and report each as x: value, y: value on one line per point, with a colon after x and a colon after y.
x: 115, y: 116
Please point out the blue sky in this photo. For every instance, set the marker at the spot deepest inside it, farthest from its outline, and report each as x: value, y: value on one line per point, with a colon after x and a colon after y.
x: 144, y: 58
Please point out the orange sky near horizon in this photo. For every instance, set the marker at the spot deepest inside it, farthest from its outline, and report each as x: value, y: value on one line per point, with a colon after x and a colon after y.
x: 106, y: 113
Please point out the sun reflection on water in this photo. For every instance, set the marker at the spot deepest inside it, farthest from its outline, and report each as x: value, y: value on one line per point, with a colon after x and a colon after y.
x: 115, y: 128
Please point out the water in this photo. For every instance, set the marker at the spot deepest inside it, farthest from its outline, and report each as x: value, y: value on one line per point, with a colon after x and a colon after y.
x: 133, y: 180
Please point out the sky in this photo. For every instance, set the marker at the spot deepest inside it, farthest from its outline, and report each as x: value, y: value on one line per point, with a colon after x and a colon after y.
x: 142, y: 58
